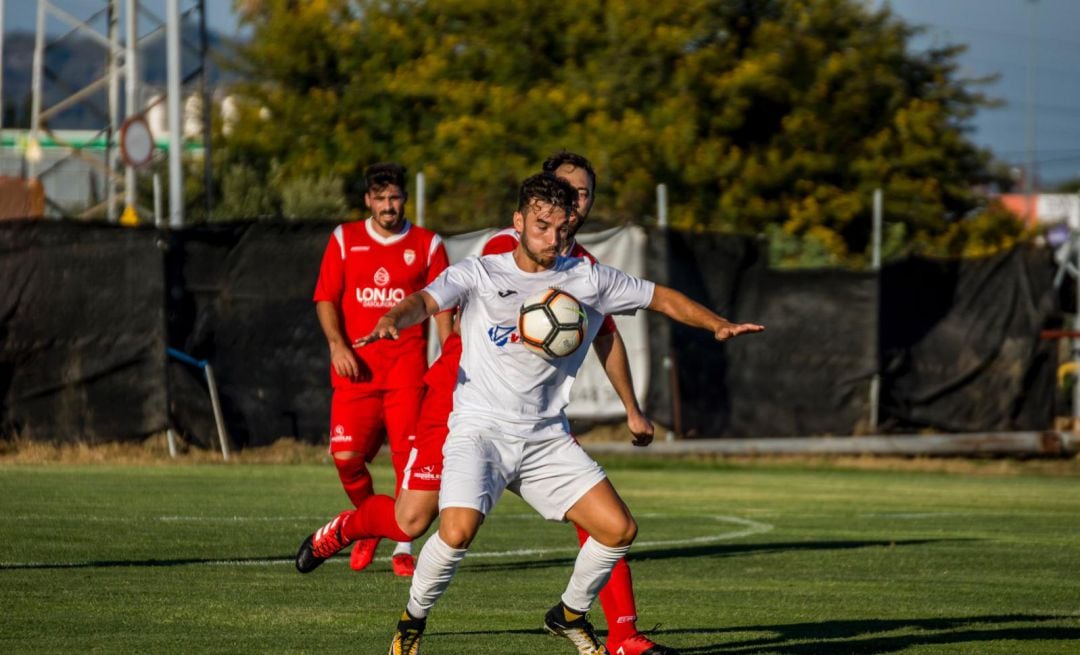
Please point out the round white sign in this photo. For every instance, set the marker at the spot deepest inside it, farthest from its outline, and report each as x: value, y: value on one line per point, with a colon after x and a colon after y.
x: 136, y: 142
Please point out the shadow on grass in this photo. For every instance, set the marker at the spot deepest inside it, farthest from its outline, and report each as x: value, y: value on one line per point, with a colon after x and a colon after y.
x: 105, y: 564
x: 857, y: 637
x: 712, y: 550
x: 863, y: 637
x: 512, y: 564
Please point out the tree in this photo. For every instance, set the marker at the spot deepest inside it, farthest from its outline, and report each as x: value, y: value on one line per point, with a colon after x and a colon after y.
x: 762, y: 116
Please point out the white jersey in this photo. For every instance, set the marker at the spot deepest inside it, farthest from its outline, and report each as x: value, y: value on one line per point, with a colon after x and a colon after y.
x: 502, y: 387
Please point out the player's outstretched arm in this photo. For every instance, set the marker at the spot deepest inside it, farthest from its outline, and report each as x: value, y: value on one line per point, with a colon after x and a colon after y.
x: 611, y: 350
x: 416, y: 307
x: 677, y: 306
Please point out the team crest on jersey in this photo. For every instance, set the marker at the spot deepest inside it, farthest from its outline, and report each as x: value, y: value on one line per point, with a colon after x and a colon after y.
x: 410, y: 257
x: 382, y: 277
x: 500, y: 335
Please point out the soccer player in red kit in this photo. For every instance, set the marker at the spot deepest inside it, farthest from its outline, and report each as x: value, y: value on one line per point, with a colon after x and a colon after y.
x: 367, y: 268
x: 417, y: 502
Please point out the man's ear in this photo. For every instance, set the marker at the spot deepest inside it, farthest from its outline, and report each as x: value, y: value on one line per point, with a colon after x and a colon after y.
x: 519, y: 222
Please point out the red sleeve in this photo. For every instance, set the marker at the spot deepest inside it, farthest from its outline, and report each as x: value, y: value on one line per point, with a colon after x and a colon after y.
x: 499, y: 244
x: 607, y: 327
x: 331, y: 282
x: 439, y: 262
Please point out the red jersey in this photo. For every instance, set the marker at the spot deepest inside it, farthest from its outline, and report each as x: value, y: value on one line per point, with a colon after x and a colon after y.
x: 506, y: 239
x: 365, y: 274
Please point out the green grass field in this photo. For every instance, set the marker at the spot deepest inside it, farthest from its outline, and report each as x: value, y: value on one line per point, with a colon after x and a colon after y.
x: 744, y: 559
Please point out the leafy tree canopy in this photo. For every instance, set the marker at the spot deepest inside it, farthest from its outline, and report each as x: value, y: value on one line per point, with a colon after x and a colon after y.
x: 775, y: 117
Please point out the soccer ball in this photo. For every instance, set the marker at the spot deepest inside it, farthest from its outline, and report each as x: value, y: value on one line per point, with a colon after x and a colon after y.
x: 552, y: 323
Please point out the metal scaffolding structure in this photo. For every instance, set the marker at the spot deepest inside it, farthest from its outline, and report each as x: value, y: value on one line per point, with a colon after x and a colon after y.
x: 141, y: 28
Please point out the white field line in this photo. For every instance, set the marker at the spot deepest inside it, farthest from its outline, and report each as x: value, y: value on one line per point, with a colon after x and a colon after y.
x: 746, y: 528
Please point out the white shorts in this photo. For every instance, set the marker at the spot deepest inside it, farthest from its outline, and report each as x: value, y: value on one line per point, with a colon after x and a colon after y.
x: 550, y: 475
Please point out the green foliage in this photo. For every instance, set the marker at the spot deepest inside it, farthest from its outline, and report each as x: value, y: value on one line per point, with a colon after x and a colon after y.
x: 244, y: 194
x: 1069, y: 186
x: 761, y: 116
x: 320, y: 196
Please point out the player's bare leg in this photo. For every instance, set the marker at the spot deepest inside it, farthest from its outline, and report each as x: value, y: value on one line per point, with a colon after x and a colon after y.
x: 612, y: 529
x: 439, y: 559
x: 401, y: 408
x: 415, y: 510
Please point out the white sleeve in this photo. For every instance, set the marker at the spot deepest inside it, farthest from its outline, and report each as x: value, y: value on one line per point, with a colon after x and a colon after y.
x: 453, y: 284
x: 621, y: 293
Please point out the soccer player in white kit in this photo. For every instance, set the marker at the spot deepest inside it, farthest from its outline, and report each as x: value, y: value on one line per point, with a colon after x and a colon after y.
x: 508, y: 429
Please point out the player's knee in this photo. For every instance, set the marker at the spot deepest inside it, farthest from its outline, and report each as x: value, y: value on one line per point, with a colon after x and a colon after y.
x: 346, y: 455
x: 456, y: 537
x: 413, y: 521
x: 627, y: 532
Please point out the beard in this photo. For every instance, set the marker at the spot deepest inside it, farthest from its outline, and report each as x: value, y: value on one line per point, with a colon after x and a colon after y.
x: 543, y: 258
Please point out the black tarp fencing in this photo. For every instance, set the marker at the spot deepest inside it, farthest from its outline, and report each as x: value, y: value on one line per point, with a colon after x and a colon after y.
x: 82, y: 331
x: 959, y: 343
x: 240, y: 298
x: 86, y: 312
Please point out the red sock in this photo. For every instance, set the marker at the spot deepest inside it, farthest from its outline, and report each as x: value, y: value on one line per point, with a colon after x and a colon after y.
x: 374, y: 518
x: 617, y: 600
x: 355, y: 478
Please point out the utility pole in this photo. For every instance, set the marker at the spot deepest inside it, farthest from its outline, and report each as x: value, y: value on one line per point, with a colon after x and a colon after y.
x: 1029, y: 132
x: 176, y: 136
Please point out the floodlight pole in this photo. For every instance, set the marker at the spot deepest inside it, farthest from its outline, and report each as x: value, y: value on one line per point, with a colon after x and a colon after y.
x: 114, y: 110
x: 176, y: 178
x: 669, y: 362
x: 1075, y: 235
x: 1, y: 70
x: 875, y: 381
x: 35, y: 98
x: 420, y: 199
x: 131, y: 85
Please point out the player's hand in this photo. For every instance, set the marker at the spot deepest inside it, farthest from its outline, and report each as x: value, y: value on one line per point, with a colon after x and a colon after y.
x: 344, y: 362
x: 641, y: 427
x: 384, y: 329
x: 728, y: 330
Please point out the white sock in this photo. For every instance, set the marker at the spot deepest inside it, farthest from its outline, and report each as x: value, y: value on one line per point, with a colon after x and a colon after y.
x: 403, y: 547
x: 591, y: 572
x: 434, y: 569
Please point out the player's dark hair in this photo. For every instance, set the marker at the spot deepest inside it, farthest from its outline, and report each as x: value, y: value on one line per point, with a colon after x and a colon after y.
x: 552, y: 164
x: 545, y: 187
x: 379, y: 176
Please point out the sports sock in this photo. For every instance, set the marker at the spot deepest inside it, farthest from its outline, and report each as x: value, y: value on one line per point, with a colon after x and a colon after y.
x: 434, y: 569
x: 355, y: 479
x: 591, y: 571
x: 374, y: 517
x: 617, y: 599
x: 403, y: 548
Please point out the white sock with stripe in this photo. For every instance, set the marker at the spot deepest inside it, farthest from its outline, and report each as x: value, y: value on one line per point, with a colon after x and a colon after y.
x: 434, y: 569
x: 591, y: 572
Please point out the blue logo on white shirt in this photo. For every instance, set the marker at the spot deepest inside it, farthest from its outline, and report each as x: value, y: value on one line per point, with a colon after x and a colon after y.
x: 500, y: 335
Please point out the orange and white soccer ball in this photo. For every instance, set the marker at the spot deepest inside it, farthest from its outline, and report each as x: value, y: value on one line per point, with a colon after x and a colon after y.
x: 552, y: 323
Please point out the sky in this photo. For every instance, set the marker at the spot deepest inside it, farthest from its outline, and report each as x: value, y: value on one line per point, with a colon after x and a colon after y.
x: 1003, y: 37
x: 999, y: 34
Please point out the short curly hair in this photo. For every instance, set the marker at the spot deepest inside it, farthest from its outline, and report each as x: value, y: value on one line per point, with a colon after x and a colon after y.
x: 546, y: 187
x: 383, y: 174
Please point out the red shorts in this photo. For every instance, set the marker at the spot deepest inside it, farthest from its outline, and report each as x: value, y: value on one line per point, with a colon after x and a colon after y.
x: 361, y: 416
x: 423, y: 472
